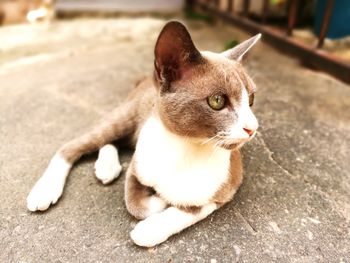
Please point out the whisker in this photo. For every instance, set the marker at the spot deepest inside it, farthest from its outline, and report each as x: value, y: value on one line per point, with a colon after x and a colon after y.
x: 210, y: 139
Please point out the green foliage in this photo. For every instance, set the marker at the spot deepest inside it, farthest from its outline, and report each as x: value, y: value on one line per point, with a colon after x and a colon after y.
x: 190, y: 14
x: 231, y: 43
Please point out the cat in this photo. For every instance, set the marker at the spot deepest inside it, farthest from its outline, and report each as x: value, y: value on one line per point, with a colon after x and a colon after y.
x: 188, y: 123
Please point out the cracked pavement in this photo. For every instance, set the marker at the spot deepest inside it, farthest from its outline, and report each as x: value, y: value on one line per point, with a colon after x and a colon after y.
x: 57, y: 80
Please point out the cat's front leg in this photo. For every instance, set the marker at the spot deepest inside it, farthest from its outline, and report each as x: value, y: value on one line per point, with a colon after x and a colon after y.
x: 158, y: 227
x: 107, y: 166
x: 49, y: 187
x: 141, y: 201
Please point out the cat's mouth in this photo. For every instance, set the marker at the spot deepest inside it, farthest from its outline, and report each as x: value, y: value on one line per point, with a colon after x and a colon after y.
x: 223, y: 140
x: 232, y: 144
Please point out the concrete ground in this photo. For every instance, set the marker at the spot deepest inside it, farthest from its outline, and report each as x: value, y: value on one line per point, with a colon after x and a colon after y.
x: 57, y: 80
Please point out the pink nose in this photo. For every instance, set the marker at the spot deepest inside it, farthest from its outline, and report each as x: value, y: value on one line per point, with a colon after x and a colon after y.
x: 250, y: 132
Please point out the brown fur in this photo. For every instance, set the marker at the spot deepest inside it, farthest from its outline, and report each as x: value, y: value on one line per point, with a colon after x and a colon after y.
x: 190, y: 209
x: 229, y: 188
x: 123, y: 123
x: 136, y: 195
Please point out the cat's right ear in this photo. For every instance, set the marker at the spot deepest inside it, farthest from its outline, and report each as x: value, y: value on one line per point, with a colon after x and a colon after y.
x: 174, y: 53
x: 238, y: 52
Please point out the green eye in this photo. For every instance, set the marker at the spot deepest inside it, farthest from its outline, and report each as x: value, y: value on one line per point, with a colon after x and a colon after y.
x: 251, y: 99
x: 217, y: 102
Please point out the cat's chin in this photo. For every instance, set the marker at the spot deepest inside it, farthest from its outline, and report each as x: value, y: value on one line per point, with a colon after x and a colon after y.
x: 232, y: 146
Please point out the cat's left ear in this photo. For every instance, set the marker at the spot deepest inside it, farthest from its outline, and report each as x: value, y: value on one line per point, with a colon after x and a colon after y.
x: 238, y: 52
x: 175, y: 53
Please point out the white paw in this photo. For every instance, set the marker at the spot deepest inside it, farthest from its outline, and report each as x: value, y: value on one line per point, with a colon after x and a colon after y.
x: 155, y: 205
x: 149, y: 232
x: 43, y: 194
x: 107, y: 166
x: 49, y: 187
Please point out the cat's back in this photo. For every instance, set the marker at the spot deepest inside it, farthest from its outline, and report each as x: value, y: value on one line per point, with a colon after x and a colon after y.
x: 142, y: 98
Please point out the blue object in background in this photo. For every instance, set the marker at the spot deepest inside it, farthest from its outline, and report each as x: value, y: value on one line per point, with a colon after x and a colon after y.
x: 339, y: 25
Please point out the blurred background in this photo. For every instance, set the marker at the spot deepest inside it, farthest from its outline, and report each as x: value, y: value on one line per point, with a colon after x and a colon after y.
x: 312, y: 30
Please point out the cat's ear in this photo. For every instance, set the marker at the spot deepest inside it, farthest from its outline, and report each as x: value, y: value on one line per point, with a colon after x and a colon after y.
x: 174, y: 53
x: 240, y: 50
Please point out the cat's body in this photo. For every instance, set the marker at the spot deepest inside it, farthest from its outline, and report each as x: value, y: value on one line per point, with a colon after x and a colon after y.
x: 187, y: 124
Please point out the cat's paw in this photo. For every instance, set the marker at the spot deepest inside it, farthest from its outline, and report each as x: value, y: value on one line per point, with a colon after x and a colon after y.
x: 44, y: 193
x: 107, y: 166
x: 149, y: 232
x: 48, y: 189
x: 154, y: 205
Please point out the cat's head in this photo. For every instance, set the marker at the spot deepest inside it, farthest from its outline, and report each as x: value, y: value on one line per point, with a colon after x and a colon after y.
x: 204, y: 95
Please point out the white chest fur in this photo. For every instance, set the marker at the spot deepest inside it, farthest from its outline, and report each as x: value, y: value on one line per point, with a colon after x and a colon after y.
x: 182, y: 172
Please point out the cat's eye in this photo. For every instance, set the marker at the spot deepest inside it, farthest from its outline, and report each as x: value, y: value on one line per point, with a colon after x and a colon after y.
x: 251, y: 99
x: 217, y: 102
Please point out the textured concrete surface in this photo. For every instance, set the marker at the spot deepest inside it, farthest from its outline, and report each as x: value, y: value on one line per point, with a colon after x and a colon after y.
x: 56, y: 81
